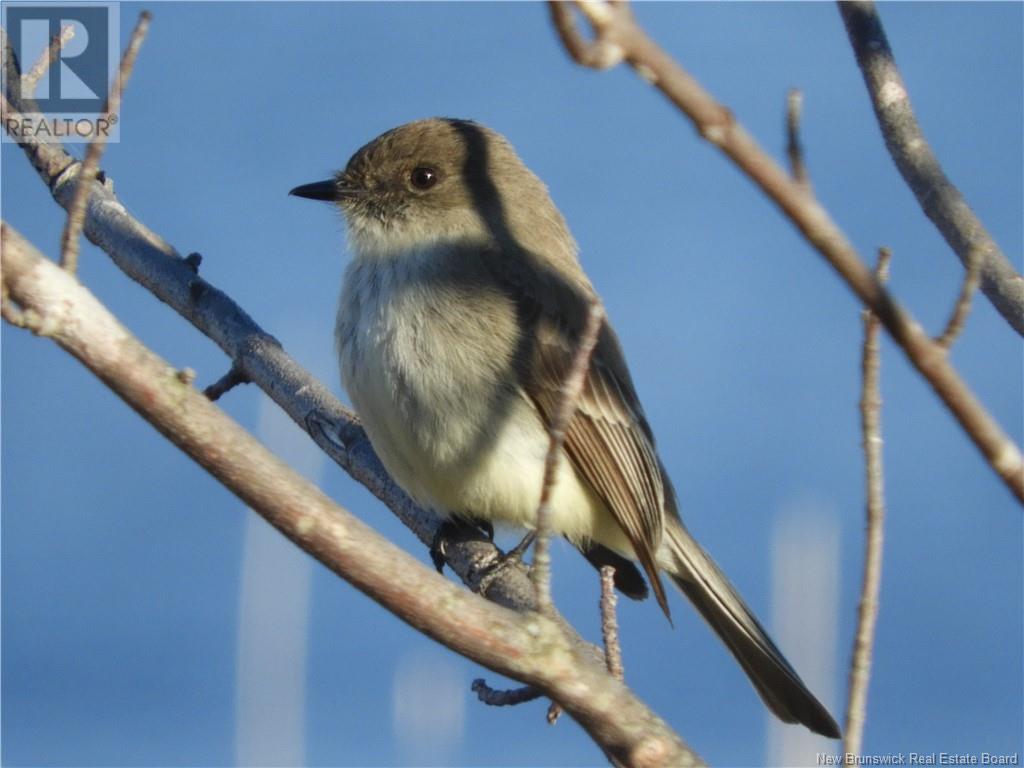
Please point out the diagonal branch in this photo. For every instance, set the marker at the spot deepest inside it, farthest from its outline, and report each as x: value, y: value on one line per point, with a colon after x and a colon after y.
x: 529, y: 647
x: 940, y: 200
x: 48, y: 158
x: 30, y: 80
x: 614, y: 25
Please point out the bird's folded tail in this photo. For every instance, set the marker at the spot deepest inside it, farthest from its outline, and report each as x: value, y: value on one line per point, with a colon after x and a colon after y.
x: 696, y: 574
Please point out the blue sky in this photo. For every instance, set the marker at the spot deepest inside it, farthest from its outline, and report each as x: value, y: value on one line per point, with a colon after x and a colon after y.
x: 141, y: 601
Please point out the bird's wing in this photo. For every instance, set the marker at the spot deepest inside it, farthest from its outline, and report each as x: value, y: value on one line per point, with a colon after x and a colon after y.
x: 608, y: 440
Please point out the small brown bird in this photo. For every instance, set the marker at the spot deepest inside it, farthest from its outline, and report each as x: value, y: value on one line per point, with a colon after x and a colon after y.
x: 459, y: 317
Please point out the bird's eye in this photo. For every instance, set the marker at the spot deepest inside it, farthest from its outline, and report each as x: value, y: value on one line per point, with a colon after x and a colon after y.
x: 423, y: 177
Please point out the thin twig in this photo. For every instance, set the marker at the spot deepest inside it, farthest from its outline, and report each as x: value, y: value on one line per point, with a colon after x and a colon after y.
x: 794, y: 108
x: 601, y: 53
x: 940, y: 200
x: 225, y: 383
x: 11, y: 71
x: 569, y: 397
x: 719, y: 126
x: 494, y: 697
x: 867, y: 612
x: 609, y: 623
x: 962, y: 308
x: 30, y: 80
x: 87, y: 172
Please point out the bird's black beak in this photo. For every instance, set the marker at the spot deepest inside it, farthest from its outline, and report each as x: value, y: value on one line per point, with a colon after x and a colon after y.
x: 328, y: 190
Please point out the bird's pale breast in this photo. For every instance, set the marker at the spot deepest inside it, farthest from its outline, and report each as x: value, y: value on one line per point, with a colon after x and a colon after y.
x: 436, y: 390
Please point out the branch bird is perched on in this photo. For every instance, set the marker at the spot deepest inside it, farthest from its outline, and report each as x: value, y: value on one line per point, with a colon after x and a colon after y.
x: 458, y: 322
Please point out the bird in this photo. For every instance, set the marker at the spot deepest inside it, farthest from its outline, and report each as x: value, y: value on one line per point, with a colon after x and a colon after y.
x: 458, y: 319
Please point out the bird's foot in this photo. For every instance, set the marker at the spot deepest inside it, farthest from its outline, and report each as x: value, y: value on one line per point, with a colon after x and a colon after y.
x: 512, y: 558
x: 456, y: 528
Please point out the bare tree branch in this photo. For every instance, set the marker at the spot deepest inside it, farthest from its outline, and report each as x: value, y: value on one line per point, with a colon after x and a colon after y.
x: 962, y: 308
x: 225, y: 383
x: 940, y: 200
x: 614, y: 26
x: 529, y: 647
x: 48, y: 157
x: 609, y: 624
x: 568, y: 399
x: 87, y: 172
x: 604, y: 51
x: 867, y: 613
x: 30, y: 80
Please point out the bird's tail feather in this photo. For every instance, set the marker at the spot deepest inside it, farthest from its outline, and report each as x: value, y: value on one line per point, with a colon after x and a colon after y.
x: 696, y: 574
